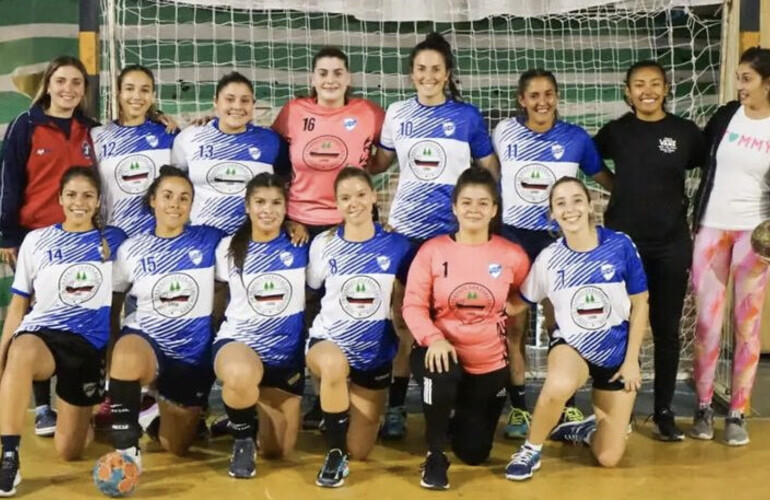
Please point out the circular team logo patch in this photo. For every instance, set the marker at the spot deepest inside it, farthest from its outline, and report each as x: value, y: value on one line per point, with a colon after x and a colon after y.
x: 229, y: 177
x: 269, y: 294
x: 174, y: 295
x: 79, y: 283
x: 325, y: 153
x: 427, y: 159
x: 471, y: 302
x: 360, y: 297
x: 135, y: 173
x: 590, y: 308
x: 533, y: 182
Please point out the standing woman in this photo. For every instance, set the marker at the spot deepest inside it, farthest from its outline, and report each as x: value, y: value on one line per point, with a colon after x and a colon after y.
x: 39, y: 146
x: 734, y: 197
x: 652, y: 151
x: 436, y: 137
x: 594, y: 278
x: 455, y: 304
x: 361, y: 267
x: 258, y: 350
x: 167, y: 340
x: 535, y: 150
x: 67, y: 328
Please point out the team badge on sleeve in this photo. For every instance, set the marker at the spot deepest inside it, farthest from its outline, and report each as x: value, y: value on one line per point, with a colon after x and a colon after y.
x: 255, y: 153
x: 287, y: 258
x: 557, y: 150
x: 152, y: 140
x: 608, y: 271
x: 449, y: 128
x: 350, y: 123
x: 195, y: 256
x: 383, y: 261
x: 495, y: 270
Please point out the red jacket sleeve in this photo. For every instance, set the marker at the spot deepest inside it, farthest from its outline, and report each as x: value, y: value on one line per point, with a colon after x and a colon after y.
x: 419, y: 297
x: 13, y: 178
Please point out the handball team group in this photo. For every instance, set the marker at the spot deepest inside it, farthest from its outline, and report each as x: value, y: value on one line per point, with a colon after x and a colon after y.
x: 150, y: 262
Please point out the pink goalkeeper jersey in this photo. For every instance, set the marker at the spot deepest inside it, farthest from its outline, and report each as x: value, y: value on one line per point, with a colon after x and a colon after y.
x: 458, y: 292
x: 321, y: 142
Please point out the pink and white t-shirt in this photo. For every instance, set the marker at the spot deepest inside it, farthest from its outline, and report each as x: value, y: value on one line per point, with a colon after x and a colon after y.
x: 458, y: 292
x: 322, y: 141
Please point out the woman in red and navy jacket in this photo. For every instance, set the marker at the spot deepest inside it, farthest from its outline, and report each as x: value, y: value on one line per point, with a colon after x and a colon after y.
x: 39, y: 146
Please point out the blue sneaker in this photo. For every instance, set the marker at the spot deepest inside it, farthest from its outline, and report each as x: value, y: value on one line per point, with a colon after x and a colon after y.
x: 517, y: 426
x: 45, y: 421
x: 574, y: 432
x: 523, y: 464
x: 394, y: 425
x: 334, y: 470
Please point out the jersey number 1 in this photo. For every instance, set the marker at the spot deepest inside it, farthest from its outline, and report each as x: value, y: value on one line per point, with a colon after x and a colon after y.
x: 445, y: 265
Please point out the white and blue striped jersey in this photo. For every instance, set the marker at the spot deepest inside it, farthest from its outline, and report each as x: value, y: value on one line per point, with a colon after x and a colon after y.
x: 129, y: 160
x: 590, y: 294
x: 434, y: 145
x: 358, y: 278
x: 530, y: 163
x: 267, y: 299
x: 172, y: 281
x: 70, y: 280
x: 220, y: 165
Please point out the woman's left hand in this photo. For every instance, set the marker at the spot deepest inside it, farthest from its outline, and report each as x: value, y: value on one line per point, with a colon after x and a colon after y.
x: 297, y: 233
x: 629, y: 375
x: 168, y: 121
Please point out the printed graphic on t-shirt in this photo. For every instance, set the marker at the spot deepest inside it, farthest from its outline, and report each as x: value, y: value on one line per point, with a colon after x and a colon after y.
x: 79, y: 283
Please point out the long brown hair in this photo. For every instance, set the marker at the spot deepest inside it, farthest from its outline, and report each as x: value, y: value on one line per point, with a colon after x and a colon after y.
x: 92, y: 176
x: 43, y: 98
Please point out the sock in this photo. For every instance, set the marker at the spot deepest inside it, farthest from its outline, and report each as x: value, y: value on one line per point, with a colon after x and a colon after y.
x: 571, y: 402
x: 518, y: 395
x: 125, y: 397
x: 398, y: 389
x: 42, y: 391
x: 243, y: 421
x: 536, y: 447
x: 10, y: 443
x: 735, y: 414
x: 704, y: 405
x: 337, y: 429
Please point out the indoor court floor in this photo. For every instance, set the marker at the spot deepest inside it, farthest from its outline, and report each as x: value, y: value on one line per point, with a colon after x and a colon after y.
x: 651, y: 470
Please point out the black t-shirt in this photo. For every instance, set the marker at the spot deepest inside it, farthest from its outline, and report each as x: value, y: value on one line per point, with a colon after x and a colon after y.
x: 648, y: 200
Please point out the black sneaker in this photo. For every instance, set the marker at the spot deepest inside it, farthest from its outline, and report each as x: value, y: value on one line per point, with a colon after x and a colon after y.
x: 434, y: 472
x: 665, y: 428
x: 9, y: 474
x: 243, y: 463
x: 334, y: 470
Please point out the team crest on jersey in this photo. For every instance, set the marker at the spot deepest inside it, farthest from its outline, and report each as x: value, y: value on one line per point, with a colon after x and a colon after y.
x: 152, y: 141
x: 349, y: 123
x: 134, y: 174
x: 608, y: 271
x: 590, y: 308
x: 196, y: 256
x: 79, y: 284
x: 472, y: 302
x: 495, y: 270
x: 175, y: 295
x: 427, y: 160
x: 383, y: 261
x: 360, y: 297
x: 255, y: 153
x: 325, y: 153
x: 269, y: 294
x: 667, y: 145
x: 533, y: 182
x: 86, y: 149
x: 229, y: 177
x: 449, y: 128
x: 557, y: 150
x: 287, y: 258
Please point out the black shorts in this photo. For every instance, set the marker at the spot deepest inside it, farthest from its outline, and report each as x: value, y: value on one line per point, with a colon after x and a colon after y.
x: 288, y: 379
x: 532, y: 241
x: 374, y: 379
x: 80, y: 369
x: 600, y: 375
x: 179, y: 382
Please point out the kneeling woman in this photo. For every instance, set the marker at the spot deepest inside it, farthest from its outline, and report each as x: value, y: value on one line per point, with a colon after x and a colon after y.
x: 167, y: 340
x: 258, y: 351
x: 66, y: 331
x: 455, y: 307
x: 361, y: 267
x: 595, y: 279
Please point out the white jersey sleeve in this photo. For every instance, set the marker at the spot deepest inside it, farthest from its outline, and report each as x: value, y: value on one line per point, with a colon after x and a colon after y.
x: 535, y: 287
x: 317, y: 268
x: 26, y: 267
x: 222, y: 269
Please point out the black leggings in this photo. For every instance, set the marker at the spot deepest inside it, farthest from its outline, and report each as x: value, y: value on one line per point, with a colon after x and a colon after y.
x: 476, y: 400
x: 667, y: 266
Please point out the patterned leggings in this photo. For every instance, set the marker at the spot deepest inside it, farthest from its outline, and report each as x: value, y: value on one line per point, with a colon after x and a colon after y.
x: 716, y: 253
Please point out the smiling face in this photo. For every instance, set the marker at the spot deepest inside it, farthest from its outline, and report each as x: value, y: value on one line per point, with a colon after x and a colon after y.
x: 571, y: 207
x: 475, y: 208
x: 234, y: 107
x: 79, y: 199
x: 266, y: 208
x: 171, y: 203
x: 430, y: 76
x: 540, y: 100
x: 67, y: 87
x: 135, y: 97
x: 752, y: 91
x: 355, y: 200
x: 331, y: 80
x: 646, y: 90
